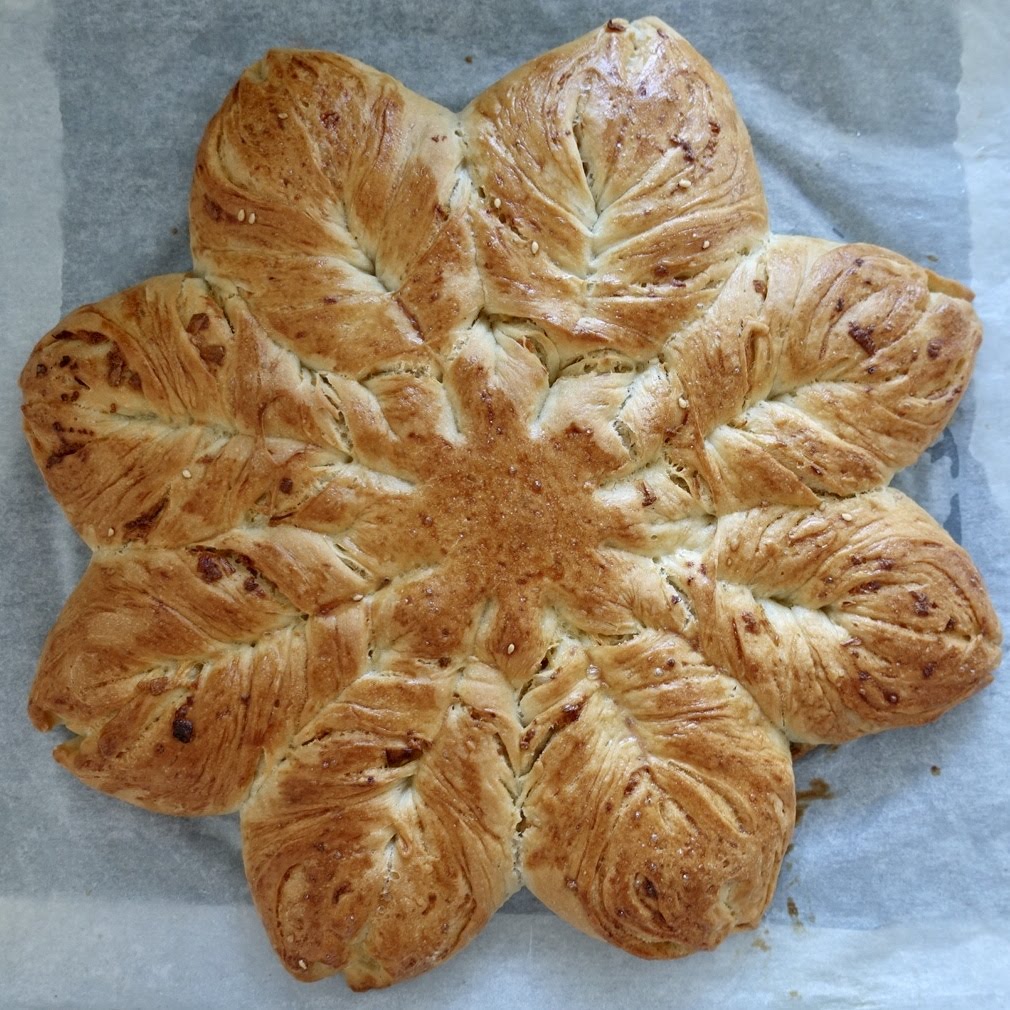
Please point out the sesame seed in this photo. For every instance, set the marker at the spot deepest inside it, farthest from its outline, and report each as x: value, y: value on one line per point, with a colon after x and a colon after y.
x: 302, y: 964
x: 358, y: 597
x: 252, y: 217
x: 705, y: 244
x: 282, y: 115
x: 187, y: 473
x: 847, y: 517
x: 112, y: 532
x: 683, y: 402
x: 684, y: 183
x: 535, y: 247
x: 511, y: 648
x: 497, y: 202
x: 241, y: 215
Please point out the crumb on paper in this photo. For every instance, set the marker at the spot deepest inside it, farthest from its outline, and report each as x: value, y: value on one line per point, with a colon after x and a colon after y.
x: 818, y: 789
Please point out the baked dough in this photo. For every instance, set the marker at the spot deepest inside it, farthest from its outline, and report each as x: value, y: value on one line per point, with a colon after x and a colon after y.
x: 494, y: 504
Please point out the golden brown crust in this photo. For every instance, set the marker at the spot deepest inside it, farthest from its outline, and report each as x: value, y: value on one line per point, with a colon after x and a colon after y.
x: 657, y: 799
x: 383, y: 842
x: 822, y: 369
x: 332, y: 199
x: 622, y: 157
x: 181, y: 671
x: 856, y: 616
x: 160, y: 417
x: 496, y: 504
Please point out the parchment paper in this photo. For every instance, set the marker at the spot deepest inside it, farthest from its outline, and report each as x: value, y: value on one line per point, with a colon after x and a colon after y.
x: 878, y: 121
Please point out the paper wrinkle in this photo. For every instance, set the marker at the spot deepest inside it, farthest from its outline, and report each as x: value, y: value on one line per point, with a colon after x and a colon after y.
x: 895, y: 892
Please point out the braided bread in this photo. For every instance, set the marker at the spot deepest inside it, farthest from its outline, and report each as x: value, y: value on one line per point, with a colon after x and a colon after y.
x: 494, y: 503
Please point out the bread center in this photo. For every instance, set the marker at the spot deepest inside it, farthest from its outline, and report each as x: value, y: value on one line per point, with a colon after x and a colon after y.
x: 512, y: 508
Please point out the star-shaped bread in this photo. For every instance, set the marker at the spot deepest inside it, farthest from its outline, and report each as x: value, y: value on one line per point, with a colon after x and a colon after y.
x: 494, y: 504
